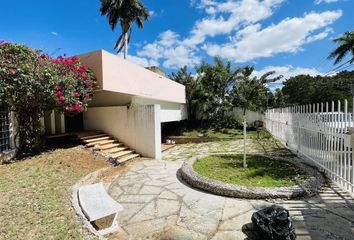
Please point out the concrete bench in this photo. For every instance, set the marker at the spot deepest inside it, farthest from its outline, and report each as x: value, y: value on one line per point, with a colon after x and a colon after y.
x: 96, y: 204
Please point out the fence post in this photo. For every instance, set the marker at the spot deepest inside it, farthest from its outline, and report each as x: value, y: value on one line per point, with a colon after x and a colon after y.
x: 351, y: 133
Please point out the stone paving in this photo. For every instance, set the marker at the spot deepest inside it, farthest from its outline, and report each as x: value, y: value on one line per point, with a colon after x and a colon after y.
x: 184, y: 151
x: 157, y: 205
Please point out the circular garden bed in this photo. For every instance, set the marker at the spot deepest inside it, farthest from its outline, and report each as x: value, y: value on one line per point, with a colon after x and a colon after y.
x: 265, y: 177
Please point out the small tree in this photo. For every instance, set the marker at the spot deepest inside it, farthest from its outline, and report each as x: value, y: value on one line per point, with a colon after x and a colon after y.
x: 217, y: 82
x: 250, y: 93
x: 31, y: 83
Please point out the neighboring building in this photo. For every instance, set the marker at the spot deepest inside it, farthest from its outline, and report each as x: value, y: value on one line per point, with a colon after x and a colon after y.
x: 131, y: 103
x: 156, y: 70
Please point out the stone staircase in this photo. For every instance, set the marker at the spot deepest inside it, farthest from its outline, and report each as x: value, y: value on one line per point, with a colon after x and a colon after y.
x: 113, y: 150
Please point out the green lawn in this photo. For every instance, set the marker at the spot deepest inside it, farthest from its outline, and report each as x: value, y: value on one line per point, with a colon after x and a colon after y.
x: 224, y: 133
x: 35, y: 195
x: 261, y: 171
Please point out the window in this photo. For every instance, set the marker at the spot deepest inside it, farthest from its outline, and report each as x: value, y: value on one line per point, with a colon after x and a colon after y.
x: 4, y: 130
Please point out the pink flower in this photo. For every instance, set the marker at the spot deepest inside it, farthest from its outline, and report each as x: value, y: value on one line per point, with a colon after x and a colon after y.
x: 58, y: 87
x: 82, y: 69
x: 78, y: 107
x: 76, y: 95
x: 67, y: 62
x: 71, y: 108
x: 3, y: 43
x: 11, y: 71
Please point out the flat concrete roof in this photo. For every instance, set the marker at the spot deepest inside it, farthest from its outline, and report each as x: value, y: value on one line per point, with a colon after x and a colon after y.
x: 115, y: 74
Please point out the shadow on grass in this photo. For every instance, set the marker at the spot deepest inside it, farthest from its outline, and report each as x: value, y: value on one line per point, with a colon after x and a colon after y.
x: 65, y: 142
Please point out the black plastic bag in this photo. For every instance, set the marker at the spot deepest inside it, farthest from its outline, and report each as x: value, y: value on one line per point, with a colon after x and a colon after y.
x: 274, y: 223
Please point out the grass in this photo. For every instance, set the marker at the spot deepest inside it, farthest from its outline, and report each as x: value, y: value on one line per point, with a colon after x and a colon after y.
x: 35, y: 195
x: 225, y: 133
x: 261, y: 171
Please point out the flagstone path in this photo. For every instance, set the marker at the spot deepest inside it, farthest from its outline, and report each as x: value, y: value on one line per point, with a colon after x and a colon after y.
x: 157, y: 205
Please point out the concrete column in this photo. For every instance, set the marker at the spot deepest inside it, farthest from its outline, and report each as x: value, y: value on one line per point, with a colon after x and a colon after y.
x: 59, y: 123
x: 49, y: 122
x: 157, y: 123
x: 14, y: 142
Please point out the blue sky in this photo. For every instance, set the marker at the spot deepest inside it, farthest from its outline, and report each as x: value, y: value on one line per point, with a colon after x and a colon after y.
x: 289, y: 36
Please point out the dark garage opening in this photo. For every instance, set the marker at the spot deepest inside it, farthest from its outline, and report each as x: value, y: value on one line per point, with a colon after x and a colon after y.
x: 74, y: 123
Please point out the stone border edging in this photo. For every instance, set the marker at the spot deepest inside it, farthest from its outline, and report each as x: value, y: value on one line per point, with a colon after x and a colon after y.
x: 308, y: 188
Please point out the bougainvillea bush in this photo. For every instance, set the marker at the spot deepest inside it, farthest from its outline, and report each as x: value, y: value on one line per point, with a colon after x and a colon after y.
x: 32, y: 83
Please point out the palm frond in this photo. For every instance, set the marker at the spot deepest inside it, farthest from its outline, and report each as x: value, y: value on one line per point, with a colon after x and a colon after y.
x: 126, y: 13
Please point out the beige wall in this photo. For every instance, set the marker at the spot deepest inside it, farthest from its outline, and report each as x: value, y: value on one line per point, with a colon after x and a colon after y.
x: 139, y: 127
x: 93, y: 61
x: 106, y: 99
x: 118, y: 75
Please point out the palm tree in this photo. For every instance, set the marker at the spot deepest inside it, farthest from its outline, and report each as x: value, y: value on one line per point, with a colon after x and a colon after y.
x: 125, y: 12
x: 346, y: 46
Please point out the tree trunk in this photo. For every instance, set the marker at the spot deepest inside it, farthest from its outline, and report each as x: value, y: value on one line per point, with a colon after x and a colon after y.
x: 244, y: 139
x: 125, y: 45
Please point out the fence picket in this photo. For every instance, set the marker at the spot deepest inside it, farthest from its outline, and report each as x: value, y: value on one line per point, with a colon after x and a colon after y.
x: 320, y: 133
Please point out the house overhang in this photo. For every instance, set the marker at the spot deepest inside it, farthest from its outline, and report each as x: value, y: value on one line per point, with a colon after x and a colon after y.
x: 115, y: 74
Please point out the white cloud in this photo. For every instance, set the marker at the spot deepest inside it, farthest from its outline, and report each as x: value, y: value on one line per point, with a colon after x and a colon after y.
x: 170, y: 51
x: 244, y: 38
x: 144, y: 62
x: 288, y: 36
x: 287, y: 71
x: 55, y: 33
x: 319, y: 36
x: 227, y: 17
x: 326, y: 1
x: 152, y: 13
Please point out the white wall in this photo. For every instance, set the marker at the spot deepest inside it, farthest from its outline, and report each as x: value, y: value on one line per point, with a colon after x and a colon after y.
x: 170, y: 111
x: 138, y: 127
x: 251, y: 116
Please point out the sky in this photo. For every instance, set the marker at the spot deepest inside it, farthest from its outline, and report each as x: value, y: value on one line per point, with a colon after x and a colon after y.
x: 289, y: 36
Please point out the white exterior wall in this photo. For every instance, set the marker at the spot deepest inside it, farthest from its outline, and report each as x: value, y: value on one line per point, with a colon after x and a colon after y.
x: 251, y: 116
x: 170, y: 111
x: 139, y: 127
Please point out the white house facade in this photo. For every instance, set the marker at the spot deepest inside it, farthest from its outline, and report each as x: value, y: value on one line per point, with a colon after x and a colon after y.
x: 130, y: 103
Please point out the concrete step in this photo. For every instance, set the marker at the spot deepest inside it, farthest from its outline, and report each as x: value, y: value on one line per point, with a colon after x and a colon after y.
x: 93, y: 136
x: 103, y: 142
x: 121, y: 154
x: 127, y: 158
x: 115, y: 150
x: 97, y: 139
x: 110, y: 146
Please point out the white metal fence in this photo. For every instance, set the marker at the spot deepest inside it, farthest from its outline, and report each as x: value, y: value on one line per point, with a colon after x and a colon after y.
x: 319, y: 132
